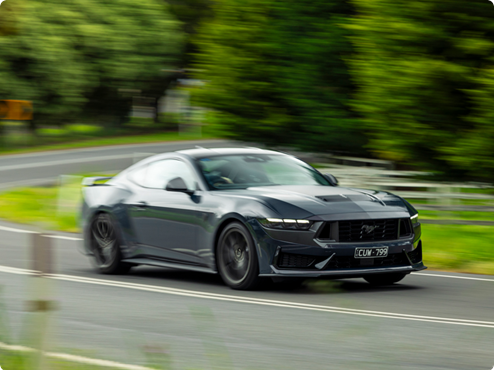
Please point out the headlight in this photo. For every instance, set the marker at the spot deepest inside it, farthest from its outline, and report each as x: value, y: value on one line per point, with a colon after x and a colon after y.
x: 415, y: 219
x: 285, y: 223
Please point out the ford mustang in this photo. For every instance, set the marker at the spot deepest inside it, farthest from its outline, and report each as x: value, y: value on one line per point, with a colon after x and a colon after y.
x: 247, y: 214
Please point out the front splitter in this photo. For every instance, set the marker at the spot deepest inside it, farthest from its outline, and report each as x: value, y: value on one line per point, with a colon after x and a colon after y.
x: 344, y: 273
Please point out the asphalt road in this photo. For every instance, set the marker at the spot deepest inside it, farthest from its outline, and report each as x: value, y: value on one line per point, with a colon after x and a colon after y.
x: 432, y: 320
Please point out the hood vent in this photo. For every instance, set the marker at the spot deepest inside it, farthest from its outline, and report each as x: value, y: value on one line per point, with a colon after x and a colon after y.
x: 344, y: 198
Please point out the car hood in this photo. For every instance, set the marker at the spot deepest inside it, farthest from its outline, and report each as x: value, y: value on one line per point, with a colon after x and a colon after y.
x: 327, y: 202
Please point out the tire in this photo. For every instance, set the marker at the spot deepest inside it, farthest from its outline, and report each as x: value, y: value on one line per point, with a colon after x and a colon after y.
x: 384, y: 279
x: 236, y: 257
x: 105, y: 246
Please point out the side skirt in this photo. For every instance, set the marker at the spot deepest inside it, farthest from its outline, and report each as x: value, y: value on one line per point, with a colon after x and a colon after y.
x: 153, y: 262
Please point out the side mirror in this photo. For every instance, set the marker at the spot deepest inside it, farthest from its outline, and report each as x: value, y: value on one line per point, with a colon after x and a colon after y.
x: 332, y: 180
x: 178, y: 184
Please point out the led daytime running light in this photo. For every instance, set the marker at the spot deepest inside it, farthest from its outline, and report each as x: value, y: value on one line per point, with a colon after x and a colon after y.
x: 286, y: 223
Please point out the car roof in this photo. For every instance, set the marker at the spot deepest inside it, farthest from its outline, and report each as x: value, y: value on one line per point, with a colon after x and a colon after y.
x: 210, y: 152
x: 200, y: 152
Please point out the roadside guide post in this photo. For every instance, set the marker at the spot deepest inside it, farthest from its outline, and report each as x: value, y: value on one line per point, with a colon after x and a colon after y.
x: 41, y: 304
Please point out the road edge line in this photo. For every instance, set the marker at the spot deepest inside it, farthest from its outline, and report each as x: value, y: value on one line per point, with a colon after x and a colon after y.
x: 75, y: 358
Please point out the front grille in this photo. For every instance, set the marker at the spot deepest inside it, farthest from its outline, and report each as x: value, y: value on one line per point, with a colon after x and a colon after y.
x: 367, y: 230
x: 289, y: 260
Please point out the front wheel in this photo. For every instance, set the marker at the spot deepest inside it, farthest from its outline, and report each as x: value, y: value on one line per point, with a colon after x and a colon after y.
x: 384, y: 279
x: 237, y: 257
x: 105, y: 246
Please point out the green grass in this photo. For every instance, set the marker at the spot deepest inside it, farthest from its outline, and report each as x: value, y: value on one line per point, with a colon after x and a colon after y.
x: 51, y: 208
x: 459, y: 202
x: 461, y: 248
x: 10, y: 360
x: 37, y: 206
x: 456, y: 215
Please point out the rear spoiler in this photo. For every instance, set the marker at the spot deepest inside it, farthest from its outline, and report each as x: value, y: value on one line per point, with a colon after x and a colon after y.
x: 93, y: 181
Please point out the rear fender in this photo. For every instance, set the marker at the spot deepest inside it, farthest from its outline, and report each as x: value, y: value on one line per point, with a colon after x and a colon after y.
x: 108, y: 199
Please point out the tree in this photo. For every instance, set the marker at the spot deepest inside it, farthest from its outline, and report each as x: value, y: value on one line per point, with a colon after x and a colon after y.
x: 275, y: 72
x: 75, y: 56
x: 191, y: 14
x: 424, y: 70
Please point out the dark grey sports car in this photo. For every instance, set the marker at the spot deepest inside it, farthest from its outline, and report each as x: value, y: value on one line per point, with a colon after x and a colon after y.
x: 247, y: 214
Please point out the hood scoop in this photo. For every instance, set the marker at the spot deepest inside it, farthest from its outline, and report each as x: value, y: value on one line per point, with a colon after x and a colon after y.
x: 350, y: 198
x: 344, y: 198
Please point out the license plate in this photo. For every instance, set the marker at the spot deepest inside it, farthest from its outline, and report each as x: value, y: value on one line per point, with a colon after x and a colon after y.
x: 371, y: 252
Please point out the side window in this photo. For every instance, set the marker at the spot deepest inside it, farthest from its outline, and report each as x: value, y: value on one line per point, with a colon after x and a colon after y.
x: 159, y: 173
x: 139, y: 175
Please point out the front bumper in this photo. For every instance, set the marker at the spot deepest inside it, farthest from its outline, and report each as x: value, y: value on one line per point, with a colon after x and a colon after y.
x: 403, y: 257
x: 313, y: 258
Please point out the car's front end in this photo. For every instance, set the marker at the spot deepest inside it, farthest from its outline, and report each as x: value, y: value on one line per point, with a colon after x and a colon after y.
x: 360, y: 234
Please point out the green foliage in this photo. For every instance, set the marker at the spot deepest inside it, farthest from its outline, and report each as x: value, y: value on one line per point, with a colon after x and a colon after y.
x: 191, y: 13
x: 424, y: 70
x: 275, y: 73
x: 71, y: 57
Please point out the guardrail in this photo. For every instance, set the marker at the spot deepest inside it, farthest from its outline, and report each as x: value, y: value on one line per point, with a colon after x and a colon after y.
x: 440, y: 196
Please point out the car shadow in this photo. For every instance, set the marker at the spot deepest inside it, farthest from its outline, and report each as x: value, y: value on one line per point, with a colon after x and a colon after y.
x: 194, y: 280
x: 177, y: 275
x: 353, y: 286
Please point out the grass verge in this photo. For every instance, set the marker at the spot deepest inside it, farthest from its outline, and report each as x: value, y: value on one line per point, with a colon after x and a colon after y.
x: 461, y: 248
x: 456, y: 215
x: 11, y: 360
x: 37, y: 206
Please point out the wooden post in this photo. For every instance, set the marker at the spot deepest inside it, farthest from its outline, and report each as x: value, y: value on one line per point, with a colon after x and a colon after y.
x: 41, y: 303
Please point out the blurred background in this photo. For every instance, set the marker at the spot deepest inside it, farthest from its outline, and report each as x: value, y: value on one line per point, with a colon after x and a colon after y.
x: 392, y: 95
x: 406, y: 81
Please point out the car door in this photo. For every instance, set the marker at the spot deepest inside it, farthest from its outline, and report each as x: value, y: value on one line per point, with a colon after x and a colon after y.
x: 165, y: 222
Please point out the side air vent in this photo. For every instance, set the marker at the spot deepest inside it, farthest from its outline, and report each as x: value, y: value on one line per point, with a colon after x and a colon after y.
x: 405, y: 227
x: 289, y: 260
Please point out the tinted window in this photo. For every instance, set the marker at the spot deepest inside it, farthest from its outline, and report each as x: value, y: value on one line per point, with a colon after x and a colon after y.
x: 157, y: 174
x: 241, y: 171
x: 138, y: 175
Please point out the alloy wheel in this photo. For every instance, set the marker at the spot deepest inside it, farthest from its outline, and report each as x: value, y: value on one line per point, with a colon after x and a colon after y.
x: 235, y: 256
x: 104, y: 241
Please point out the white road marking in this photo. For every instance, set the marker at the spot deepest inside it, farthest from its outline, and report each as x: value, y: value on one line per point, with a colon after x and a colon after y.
x: 257, y: 301
x: 13, y: 230
x: 73, y: 358
x: 15, y: 270
x: 63, y: 237
x: 453, y: 277
x: 24, y: 231
x: 65, y: 161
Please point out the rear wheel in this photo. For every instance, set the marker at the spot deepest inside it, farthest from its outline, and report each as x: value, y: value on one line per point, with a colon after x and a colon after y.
x: 105, y: 245
x: 237, y: 257
x: 384, y: 279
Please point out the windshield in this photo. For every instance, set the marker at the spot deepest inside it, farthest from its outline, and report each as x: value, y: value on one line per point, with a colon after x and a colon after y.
x: 244, y: 171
